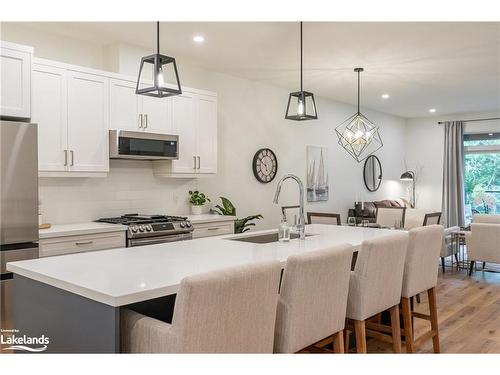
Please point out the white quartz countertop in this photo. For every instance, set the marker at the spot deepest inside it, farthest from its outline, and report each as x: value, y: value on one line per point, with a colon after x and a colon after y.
x: 122, y: 276
x: 62, y: 230
x: 207, y: 218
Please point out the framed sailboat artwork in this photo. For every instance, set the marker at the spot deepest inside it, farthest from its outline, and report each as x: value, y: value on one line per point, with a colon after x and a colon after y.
x: 317, y: 173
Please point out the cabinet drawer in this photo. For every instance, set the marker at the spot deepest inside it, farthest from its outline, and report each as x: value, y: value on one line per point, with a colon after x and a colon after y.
x: 213, y: 229
x: 78, y: 244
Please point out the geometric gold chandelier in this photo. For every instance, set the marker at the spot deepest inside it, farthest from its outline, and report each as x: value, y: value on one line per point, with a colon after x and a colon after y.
x: 357, y: 135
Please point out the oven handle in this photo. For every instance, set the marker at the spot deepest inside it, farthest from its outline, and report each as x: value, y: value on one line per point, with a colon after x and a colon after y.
x: 160, y: 239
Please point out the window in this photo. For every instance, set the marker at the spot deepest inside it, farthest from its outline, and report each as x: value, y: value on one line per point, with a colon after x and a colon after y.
x: 482, y: 174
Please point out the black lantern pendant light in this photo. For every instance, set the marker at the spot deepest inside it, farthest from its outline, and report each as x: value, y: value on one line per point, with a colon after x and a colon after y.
x: 161, y: 67
x: 357, y: 135
x: 301, y: 104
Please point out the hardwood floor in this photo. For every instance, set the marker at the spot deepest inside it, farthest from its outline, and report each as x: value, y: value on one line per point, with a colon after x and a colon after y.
x: 468, y: 314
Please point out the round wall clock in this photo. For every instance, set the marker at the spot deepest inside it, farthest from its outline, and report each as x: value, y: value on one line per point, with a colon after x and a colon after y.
x: 265, y: 165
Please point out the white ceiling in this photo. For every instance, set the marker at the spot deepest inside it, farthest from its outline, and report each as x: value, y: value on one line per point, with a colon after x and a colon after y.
x: 453, y: 67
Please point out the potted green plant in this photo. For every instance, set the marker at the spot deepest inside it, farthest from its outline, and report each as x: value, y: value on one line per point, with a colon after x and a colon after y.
x: 197, y: 200
x: 241, y: 225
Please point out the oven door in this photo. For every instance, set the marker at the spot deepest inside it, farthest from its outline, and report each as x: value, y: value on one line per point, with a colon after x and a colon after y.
x: 132, y: 242
x: 143, y: 146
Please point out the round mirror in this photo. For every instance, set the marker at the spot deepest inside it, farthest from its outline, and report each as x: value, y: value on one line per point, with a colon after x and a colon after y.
x: 372, y: 173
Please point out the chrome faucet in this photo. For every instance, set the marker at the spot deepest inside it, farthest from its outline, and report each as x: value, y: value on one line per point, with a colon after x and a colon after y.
x: 301, y: 224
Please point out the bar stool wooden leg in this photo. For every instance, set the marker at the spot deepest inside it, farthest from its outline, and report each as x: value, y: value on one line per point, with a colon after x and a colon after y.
x: 338, y: 342
x: 347, y: 335
x: 360, y: 333
x: 408, y: 327
x: 396, y: 330
x: 431, y: 293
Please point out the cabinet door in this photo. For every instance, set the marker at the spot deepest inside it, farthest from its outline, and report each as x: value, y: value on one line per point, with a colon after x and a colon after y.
x: 124, y: 106
x: 88, y: 127
x: 157, y: 114
x: 15, y: 68
x: 49, y: 111
x: 207, y: 134
x: 184, y: 125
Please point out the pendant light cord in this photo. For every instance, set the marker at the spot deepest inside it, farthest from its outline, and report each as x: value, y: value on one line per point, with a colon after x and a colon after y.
x: 358, y: 91
x: 301, y: 56
x: 158, y: 37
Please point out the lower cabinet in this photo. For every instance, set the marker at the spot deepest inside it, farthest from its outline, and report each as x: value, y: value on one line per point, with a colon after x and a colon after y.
x: 82, y: 243
x: 209, y: 229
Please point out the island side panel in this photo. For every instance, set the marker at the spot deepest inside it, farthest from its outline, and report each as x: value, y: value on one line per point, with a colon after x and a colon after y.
x: 74, y: 324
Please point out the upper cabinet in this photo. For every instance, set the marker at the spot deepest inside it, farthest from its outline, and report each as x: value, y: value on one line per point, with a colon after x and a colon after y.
x: 129, y: 111
x: 71, y: 109
x: 15, y: 68
x: 194, y: 119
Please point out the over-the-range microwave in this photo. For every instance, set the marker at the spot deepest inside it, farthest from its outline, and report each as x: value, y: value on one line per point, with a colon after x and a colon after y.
x: 125, y: 144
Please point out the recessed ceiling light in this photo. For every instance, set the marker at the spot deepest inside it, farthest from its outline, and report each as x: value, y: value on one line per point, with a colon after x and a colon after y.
x: 199, y: 38
x: 385, y: 96
x: 490, y: 134
x: 432, y: 110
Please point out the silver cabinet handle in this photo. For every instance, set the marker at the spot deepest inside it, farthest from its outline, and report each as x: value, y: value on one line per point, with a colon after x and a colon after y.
x: 84, y: 243
x: 194, y: 160
x: 72, y: 157
x: 65, y: 157
x: 146, y: 121
x: 215, y: 228
x: 199, y: 162
x: 140, y: 120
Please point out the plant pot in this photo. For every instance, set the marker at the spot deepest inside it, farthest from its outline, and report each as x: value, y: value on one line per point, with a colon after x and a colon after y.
x: 196, y: 210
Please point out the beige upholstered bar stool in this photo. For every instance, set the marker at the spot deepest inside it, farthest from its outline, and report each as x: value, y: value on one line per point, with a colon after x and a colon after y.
x: 313, y: 299
x: 420, y: 275
x: 375, y: 285
x: 227, y: 311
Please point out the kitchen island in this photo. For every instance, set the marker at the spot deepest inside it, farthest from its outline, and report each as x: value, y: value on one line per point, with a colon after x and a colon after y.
x: 75, y: 299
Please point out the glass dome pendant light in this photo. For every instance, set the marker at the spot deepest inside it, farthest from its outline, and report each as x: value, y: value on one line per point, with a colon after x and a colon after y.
x: 161, y: 66
x: 301, y: 105
x: 357, y: 135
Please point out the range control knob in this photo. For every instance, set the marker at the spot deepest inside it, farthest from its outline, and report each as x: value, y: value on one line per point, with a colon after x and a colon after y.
x: 183, y: 224
x: 149, y: 228
x: 188, y: 224
x: 141, y: 228
x: 133, y: 229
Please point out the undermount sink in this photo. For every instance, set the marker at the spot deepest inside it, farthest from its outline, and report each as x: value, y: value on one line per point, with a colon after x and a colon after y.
x: 265, y: 238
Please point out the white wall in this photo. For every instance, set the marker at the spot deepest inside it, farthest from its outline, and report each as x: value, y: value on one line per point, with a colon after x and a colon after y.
x: 424, y: 152
x: 251, y: 116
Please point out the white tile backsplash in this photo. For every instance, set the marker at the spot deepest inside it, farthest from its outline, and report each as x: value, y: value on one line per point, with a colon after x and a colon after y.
x: 130, y: 187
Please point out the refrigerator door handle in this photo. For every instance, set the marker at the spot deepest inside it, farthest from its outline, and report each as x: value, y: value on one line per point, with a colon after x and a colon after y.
x: 72, y: 157
x: 65, y: 157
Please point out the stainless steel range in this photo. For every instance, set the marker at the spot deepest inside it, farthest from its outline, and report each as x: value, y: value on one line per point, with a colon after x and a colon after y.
x: 153, y: 229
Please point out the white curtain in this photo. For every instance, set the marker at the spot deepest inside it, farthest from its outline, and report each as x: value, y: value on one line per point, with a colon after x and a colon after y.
x: 453, y: 174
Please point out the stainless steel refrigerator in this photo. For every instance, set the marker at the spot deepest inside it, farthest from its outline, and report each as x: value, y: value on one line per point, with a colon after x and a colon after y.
x: 18, y: 205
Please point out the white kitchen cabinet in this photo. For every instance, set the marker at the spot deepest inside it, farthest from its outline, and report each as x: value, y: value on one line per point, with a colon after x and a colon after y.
x: 209, y: 229
x: 71, y: 109
x: 194, y: 119
x: 15, y: 68
x: 206, y: 134
x: 129, y: 111
x: 124, y: 106
x: 81, y: 243
x: 88, y: 126
x: 49, y: 111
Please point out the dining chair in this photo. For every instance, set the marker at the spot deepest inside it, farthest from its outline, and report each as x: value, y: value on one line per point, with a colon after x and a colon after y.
x: 230, y: 310
x: 432, y: 218
x: 313, y: 299
x: 483, y: 243
x: 486, y: 218
x: 388, y: 217
x: 448, y: 248
x: 420, y: 275
x: 375, y: 286
x: 291, y: 214
x: 323, y: 218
